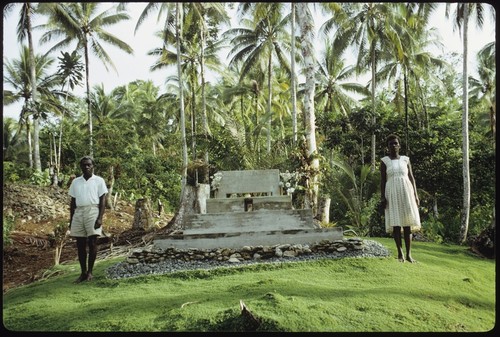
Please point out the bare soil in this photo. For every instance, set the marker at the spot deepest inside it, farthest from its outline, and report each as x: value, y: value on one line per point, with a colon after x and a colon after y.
x: 31, y: 253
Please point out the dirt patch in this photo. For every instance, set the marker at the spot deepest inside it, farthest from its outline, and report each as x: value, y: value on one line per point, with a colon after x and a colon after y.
x: 37, y: 210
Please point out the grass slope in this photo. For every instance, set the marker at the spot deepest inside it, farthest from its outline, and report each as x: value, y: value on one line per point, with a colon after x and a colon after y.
x: 448, y: 290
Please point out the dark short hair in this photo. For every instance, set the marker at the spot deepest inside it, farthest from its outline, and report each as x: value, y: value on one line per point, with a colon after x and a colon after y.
x: 391, y: 137
x: 87, y: 158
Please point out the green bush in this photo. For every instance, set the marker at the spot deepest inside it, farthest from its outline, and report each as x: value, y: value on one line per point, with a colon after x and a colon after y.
x: 40, y: 178
x: 433, y: 229
x: 16, y: 172
x: 8, y: 226
x: 9, y: 172
x: 480, y: 218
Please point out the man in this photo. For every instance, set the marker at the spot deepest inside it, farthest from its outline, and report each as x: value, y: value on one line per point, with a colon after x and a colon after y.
x: 88, y: 193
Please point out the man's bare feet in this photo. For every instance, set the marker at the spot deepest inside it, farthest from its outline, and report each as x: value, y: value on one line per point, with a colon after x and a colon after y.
x: 410, y: 259
x: 81, y: 278
x: 89, y: 277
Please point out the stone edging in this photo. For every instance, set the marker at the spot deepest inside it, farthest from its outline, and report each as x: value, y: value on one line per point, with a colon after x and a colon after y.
x: 246, y: 253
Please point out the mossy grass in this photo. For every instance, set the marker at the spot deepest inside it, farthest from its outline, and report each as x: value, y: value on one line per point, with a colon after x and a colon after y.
x: 448, y: 290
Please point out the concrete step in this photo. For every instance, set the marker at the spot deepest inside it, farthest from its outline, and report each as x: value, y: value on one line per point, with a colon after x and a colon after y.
x: 239, y: 239
x: 255, y: 221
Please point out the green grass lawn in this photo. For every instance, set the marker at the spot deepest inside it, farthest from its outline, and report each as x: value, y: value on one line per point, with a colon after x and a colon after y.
x: 448, y: 290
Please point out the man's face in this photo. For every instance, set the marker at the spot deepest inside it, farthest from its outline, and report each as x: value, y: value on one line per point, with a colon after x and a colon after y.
x: 86, y: 166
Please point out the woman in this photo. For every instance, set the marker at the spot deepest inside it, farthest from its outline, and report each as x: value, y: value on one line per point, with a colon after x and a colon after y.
x: 399, y: 197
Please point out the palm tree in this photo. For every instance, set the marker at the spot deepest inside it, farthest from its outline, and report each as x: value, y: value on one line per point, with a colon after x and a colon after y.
x: 293, y: 81
x: 205, y: 15
x: 24, y: 30
x: 243, y: 102
x: 70, y: 72
x: 407, y: 60
x: 195, y: 58
x: 461, y: 17
x: 178, y: 34
x: 306, y: 25
x: 18, y: 76
x: 80, y: 22
x: 140, y: 102
x: 332, y: 89
x: 172, y: 32
x: 353, y: 191
x: 255, y: 46
x: 484, y: 88
x: 12, y: 140
x: 370, y: 28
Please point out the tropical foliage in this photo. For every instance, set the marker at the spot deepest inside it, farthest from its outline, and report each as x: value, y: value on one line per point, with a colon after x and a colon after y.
x: 146, y: 138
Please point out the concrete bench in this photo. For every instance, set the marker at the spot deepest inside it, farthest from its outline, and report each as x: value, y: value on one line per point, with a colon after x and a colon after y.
x: 253, y: 182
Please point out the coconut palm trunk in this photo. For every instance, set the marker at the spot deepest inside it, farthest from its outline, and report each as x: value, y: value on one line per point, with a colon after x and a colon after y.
x: 306, y: 25
x: 293, y: 79
x: 34, y: 92
x: 465, y: 133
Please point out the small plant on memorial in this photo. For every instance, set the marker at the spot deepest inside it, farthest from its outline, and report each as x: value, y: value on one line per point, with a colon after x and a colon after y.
x: 216, y: 178
x: 289, y: 181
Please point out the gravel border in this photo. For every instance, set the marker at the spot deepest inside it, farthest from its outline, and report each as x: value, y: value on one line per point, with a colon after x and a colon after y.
x: 125, y: 270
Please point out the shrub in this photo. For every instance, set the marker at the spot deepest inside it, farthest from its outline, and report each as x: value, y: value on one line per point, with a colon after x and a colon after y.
x: 40, y: 178
x: 433, y: 229
x: 8, y: 226
x: 58, y: 239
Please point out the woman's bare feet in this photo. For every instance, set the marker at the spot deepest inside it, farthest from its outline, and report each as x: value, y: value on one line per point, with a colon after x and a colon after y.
x: 81, y: 278
x: 89, y: 277
x: 410, y: 259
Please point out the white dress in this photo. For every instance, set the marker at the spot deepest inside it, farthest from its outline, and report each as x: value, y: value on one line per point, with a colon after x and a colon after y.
x: 402, y: 209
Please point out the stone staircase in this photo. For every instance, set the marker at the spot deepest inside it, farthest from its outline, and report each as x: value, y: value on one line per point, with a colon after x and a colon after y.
x: 248, y: 210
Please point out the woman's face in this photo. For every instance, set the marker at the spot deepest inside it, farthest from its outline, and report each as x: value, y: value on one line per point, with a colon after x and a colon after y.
x: 393, y: 145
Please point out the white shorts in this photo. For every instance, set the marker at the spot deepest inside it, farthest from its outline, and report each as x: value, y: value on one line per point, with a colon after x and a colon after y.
x: 84, y: 221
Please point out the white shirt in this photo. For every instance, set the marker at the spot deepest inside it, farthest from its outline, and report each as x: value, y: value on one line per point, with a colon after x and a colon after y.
x: 87, y: 192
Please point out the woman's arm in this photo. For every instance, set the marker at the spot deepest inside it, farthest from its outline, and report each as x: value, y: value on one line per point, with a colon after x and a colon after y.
x: 383, y: 181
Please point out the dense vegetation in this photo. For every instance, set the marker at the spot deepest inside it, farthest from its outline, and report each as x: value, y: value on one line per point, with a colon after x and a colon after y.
x: 246, y: 119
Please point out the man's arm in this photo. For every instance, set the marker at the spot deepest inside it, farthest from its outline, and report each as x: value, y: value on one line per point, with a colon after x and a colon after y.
x: 102, y: 207
x: 72, y: 207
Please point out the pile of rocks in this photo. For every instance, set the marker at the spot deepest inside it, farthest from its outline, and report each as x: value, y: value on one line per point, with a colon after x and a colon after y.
x: 155, y: 255
x: 150, y: 261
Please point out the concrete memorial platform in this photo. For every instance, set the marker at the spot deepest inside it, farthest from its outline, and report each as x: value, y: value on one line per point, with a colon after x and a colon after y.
x: 248, y: 210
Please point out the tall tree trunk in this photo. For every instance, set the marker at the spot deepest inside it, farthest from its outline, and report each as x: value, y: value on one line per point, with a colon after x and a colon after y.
x: 143, y: 216
x: 306, y: 25
x: 465, y: 134
x: 178, y: 32
x: 186, y: 191
x: 30, y: 146
x: 374, y: 118
x: 193, y: 118
x: 407, y: 140
x: 293, y: 80
x: 61, y: 129
x: 269, y: 99
x: 34, y: 93
x: 89, y: 107
x: 206, y: 130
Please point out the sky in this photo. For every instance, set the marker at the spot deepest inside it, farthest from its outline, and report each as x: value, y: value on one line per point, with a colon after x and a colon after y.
x: 136, y: 66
